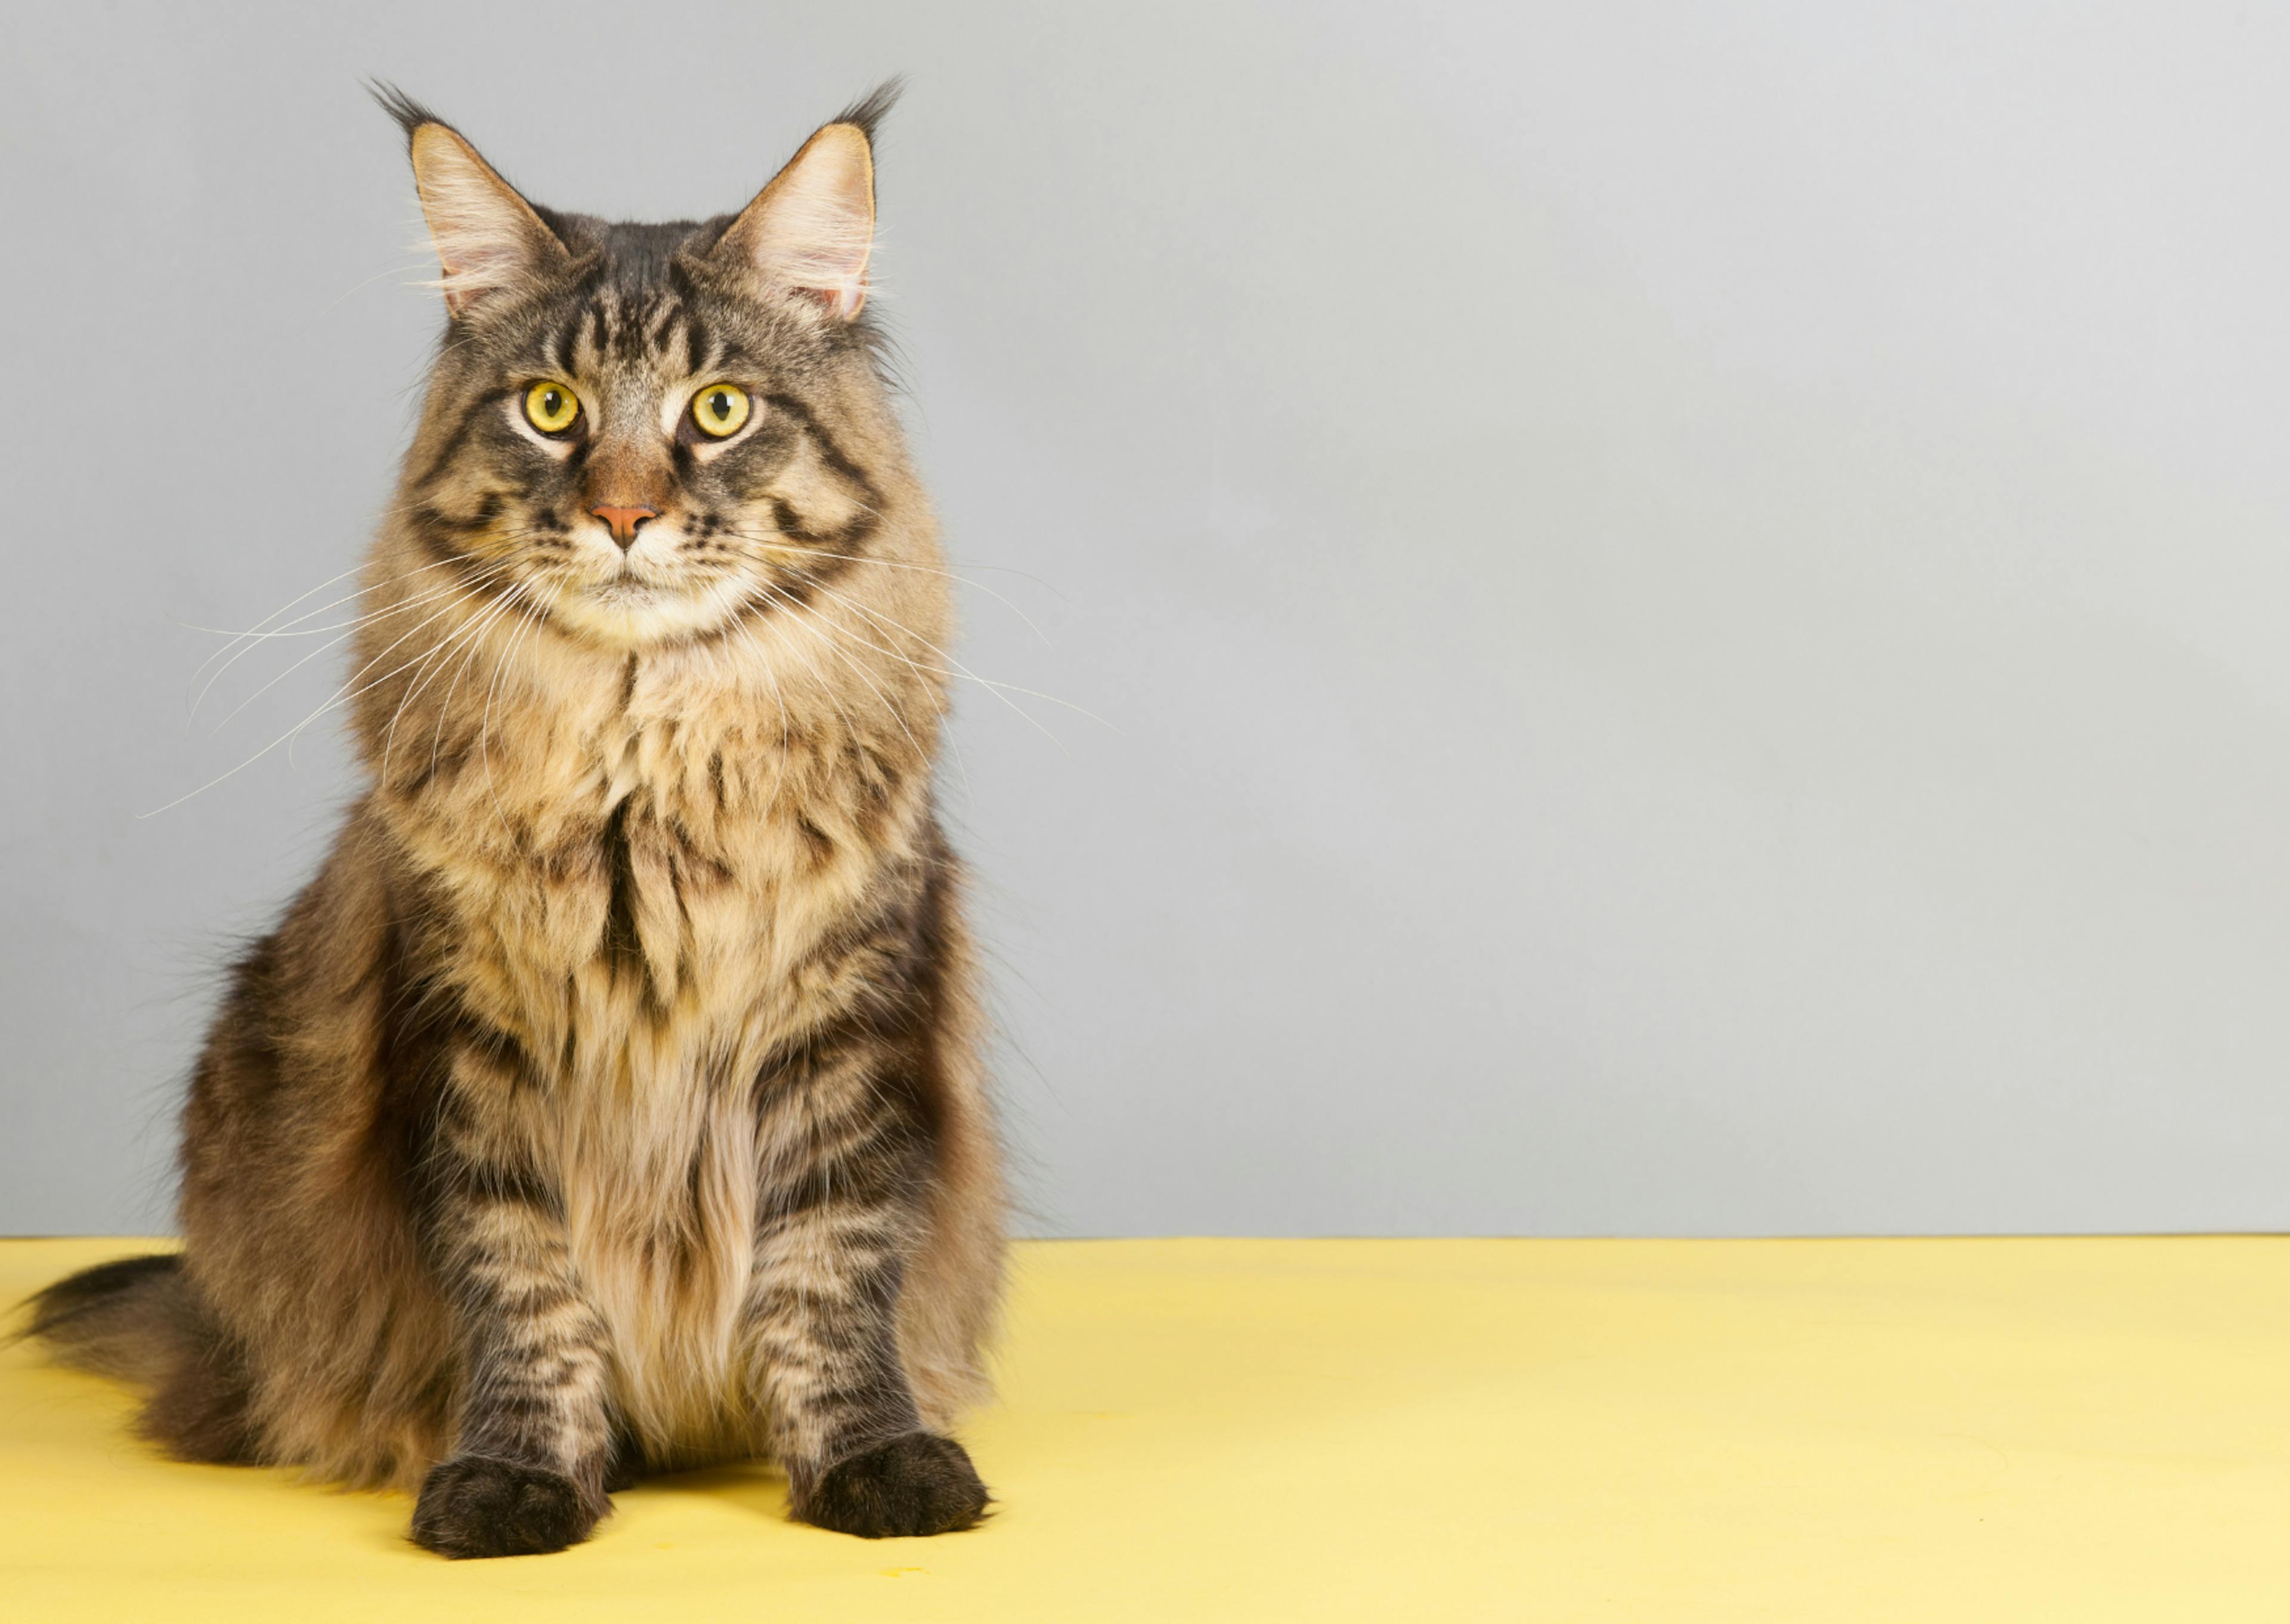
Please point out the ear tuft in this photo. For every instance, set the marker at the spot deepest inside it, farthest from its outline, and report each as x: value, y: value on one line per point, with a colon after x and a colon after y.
x: 487, y: 237
x: 870, y: 109
x: 811, y: 232
x: 409, y: 114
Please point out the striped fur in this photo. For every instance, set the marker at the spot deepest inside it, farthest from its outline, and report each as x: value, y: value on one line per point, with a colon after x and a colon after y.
x: 611, y: 1099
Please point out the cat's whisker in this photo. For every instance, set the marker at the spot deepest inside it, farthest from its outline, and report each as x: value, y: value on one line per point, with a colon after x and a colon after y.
x: 431, y: 597
x: 468, y: 645
x: 796, y: 611
x: 959, y: 669
x: 307, y: 631
x: 343, y: 695
x: 272, y: 616
x: 482, y: 579
x: 781, y: 545
x: 282, y: 677
x: 764, y: 663
x: 339, y: 699
x: 937, y: 700
x: 510, y: 605
x: 468, y: 638
x: 818, y: 678
x: 441, y: 652
x: 275, y: 613
x: 390, y: 734
x: 229, y: 658
x: 531, y: 619
x: 352, y: 625
x: 765, y: 544
x: 860, y: 671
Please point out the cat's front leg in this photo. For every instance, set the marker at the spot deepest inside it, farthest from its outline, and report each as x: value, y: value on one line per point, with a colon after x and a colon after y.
x: 534, y: 1441
x: 821, y: 1322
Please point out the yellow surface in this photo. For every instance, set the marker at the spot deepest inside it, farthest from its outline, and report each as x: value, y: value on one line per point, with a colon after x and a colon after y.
x: 1847, y: 1431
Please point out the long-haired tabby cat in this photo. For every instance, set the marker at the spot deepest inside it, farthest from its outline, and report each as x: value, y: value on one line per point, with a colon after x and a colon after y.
x: 612, y: 1099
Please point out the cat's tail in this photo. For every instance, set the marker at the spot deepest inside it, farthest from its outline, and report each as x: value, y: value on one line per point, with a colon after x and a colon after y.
x: 141, y: 1319
x: 133, y: 1318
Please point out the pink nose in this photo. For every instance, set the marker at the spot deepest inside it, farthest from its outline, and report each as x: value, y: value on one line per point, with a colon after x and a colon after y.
x: 622, y: 521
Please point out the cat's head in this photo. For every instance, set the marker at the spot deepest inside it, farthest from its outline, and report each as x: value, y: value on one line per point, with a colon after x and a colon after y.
x: 649, y: 433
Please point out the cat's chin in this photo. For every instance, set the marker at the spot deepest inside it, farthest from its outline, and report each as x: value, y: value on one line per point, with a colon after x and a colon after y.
x: 630, y: 617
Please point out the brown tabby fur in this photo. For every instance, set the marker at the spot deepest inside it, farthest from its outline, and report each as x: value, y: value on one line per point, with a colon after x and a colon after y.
x: 611, y: 1099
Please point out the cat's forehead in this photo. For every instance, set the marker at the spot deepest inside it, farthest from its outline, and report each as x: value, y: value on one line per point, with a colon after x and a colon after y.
x: 632, y: 256
x: 633, y: 308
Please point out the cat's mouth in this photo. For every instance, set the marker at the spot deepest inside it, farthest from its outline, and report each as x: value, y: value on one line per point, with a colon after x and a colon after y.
x: 630, y: 585
x: 631, y: 608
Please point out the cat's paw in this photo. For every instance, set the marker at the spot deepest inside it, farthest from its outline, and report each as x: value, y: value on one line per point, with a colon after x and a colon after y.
x: 471, y: 1506
x: 916, y: 1484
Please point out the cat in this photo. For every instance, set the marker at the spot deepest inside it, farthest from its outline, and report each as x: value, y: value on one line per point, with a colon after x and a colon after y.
x: 613, y: 1100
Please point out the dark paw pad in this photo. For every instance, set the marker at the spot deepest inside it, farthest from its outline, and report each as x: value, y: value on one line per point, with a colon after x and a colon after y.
x: 473, y: 1507
x: 916, y: 1484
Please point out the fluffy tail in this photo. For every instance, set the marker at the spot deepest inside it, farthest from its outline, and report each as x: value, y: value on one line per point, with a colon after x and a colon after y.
x: 140, y: 1319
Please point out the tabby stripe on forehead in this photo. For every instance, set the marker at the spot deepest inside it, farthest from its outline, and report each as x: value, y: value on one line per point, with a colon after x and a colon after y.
x: 589, y: 345
x: 562, y: 339
x: 701, y: 345
x: 688, y: 302
x: 627, y: 335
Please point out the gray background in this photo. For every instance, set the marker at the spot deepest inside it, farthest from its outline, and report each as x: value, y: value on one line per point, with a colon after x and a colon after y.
x: 1687, y: 603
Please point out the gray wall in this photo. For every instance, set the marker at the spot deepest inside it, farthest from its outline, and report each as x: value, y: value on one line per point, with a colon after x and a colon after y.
x: 1687, y: 602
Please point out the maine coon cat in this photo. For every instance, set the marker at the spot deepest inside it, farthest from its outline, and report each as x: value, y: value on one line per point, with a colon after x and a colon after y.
x: 611, y: 1099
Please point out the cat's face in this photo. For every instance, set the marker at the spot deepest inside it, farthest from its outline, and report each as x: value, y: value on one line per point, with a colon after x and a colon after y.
x: 646, y: 432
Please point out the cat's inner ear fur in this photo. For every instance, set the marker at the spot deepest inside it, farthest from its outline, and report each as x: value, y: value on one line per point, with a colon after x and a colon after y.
x: 488, y: 238
x: 809, y: 233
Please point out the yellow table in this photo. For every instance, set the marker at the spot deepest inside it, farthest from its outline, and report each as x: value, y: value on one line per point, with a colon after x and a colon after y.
x: 1847, y: 1431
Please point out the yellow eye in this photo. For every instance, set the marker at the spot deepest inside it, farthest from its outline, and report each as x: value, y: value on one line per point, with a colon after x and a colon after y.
x: 551, y: 407
x: 720, y: 409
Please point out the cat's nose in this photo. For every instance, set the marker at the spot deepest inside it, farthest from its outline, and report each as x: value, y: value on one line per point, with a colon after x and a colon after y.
x: 622, y: 521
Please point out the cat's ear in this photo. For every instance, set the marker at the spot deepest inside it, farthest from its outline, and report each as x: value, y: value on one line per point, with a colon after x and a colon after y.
x: 488, y: 238
x: 810, y: 232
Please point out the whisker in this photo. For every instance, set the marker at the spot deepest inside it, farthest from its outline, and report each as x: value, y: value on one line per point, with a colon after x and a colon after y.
x: 390, y: 734
x: 339, y: 699
x: 531, y: 618
x: 468, y: 639
x: 275, y: 613
x: 898, y: 563
x: 230, y: 658
x: 418, y: 661
x: 314, y: 653
x: 860, y: 671
x: 1000, y: 689
x: 764, y: 663
x: 960, y: 670
x: 483, y: 578
x: 818, y: 678
x: 395, y: 509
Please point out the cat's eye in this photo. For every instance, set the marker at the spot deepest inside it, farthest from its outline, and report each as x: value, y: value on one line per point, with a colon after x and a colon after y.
x: 720, y: 409
x: 551, y: 407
